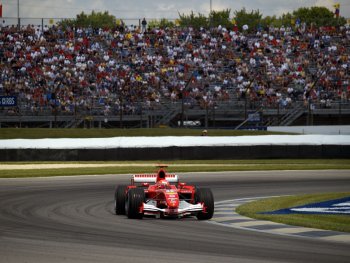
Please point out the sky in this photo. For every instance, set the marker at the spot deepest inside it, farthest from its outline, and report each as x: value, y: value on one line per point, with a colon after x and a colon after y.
x: 155, y: 9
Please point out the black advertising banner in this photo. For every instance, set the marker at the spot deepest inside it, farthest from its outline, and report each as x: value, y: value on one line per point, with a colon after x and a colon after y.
x: 8, y: 101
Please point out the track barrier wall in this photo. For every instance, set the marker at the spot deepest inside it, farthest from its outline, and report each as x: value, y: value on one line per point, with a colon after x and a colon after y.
x: 179, y: 153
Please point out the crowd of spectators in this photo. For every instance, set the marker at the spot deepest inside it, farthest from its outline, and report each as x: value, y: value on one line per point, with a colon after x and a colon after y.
x: 123, y: 68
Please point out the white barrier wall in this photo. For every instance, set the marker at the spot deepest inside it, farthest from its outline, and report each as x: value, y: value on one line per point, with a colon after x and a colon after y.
x: 330, y: 130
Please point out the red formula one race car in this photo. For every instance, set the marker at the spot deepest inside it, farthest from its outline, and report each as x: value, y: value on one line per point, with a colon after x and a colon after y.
x: 162, y: 195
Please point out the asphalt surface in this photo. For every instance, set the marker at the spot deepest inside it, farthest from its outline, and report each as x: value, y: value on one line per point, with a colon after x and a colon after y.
x: 70, y: 219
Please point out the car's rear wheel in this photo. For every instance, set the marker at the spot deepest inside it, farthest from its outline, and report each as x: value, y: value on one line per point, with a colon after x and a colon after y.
x: 204, y: 195
x: 133, y: 203
x: 119, y: 200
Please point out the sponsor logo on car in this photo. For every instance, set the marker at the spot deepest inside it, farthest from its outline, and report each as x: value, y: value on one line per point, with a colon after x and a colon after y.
x: 333, y: 207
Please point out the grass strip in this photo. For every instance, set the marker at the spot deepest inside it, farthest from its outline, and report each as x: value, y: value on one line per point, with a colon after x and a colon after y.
x: 328, y: 222
x: 39, y: 133
x: 174, y: 166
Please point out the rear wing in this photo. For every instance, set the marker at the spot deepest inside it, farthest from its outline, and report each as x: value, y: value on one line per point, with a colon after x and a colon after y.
x: 152, y: 178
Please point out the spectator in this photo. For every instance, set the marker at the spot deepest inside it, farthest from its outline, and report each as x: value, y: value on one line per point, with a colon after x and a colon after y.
x: 118, y: 68
x: 144, y: 25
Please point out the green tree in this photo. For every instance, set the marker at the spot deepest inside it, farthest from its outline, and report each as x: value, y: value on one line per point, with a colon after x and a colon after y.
x: 195, y: 21
x: 268, y: 21
x: 286, y: 19
x: 252, y: 19
x: 222, y: 18
x: 162, y: 23
x: 318, y: 16
x: 95, y: 20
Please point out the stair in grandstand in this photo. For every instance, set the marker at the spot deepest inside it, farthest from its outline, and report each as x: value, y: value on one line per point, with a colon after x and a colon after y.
x: 168, y: 115
x: 247, y: 120
x: 73, y: 123
x: 292, y: 115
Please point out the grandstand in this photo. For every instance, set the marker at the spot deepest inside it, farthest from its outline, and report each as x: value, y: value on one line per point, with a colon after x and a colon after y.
x: 120, y: 77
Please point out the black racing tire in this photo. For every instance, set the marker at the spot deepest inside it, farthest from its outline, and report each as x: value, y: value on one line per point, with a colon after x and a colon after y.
x: 204, y: 195
x: 134, y: 200
x: 119, y: 199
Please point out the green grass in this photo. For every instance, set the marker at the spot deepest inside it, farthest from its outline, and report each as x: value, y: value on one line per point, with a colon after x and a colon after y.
x: 178, y: 166
x: 38, y: 133
x: 329, y: 222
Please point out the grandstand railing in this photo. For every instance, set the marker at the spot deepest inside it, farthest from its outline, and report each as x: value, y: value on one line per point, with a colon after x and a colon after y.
x: 170, y: 114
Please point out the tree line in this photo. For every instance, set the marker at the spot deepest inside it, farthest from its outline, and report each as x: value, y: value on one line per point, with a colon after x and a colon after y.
x: 251, y: 20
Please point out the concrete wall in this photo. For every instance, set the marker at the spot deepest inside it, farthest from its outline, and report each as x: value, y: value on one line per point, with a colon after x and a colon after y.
x: 327, y: 129
x: 178, y: 153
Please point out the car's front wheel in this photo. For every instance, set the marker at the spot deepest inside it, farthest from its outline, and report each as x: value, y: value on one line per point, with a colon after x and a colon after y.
x: 204, y: 195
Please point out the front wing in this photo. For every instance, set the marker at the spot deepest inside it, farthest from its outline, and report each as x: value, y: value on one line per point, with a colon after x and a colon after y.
x: 184, y: 209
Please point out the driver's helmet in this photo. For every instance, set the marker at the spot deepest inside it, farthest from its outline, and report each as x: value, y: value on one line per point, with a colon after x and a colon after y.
x: 163, y: 184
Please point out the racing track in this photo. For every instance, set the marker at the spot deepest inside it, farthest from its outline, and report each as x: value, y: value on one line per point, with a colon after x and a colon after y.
x: 71, y: 220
